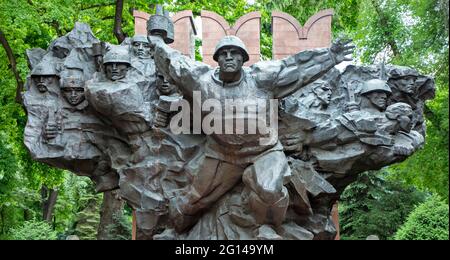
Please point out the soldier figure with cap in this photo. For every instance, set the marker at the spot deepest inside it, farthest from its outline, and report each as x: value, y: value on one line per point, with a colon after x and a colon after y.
x: 231, y: 157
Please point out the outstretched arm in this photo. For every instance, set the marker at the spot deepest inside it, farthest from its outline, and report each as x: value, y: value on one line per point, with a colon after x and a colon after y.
x: 177, y: 68
x: 307, y: 66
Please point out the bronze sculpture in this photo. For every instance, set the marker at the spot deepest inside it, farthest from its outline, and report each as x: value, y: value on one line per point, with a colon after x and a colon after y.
x: 109, y: 111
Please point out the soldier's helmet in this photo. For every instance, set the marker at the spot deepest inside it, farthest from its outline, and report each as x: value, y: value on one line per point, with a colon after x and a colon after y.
x: 43, y: 69
x: 72, y: 78
x: 139, y: 38
x: 117, y: 54
x: 401, y: 71
x: 231, y: 41
x: 375, y: 85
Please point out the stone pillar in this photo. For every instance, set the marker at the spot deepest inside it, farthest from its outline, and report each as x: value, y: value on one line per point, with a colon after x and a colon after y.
x: 247, y: 28
x: 289, y: 37
x: 184, y: 30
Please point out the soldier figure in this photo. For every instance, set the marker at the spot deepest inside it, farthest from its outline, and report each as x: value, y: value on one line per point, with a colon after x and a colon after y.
x: 44, y: 77
x: 322, y: 92
x: 42, y: 108
x: 230, y: 158
x: 374, y: 96
x: 141, y: 47
x: 403, y: 81
x: 142, y: 56
x: 119, y: 98
x: 81, y: 131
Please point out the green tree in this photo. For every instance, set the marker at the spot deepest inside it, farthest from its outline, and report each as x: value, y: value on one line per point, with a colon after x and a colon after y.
x: 375, y: 206
x: 428, y: 221
x: 33, y: 230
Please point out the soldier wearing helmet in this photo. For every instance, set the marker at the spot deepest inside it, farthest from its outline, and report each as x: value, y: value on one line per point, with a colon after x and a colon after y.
x: 374, y: 96
x: 72, y: 88
x: 142, y: 57
x: 116, y: 63
x: 119, y: 97
x: 408, y: 87
x: 44, y: 76
x: 231, y: 157
x: 141, y: 47
x: 231, y: 54
x: 403, y: 79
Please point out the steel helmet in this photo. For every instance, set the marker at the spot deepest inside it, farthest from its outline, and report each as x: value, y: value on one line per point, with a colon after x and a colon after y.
x: 140, y: 38
x: 400, y: 71
x: 231, y: 41
x: 375, y: 85
x: 72, y: 78
x: 43, y: 69
x: 117, y: 54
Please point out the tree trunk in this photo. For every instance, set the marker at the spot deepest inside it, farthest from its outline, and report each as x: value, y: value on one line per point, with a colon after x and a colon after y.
x: 383, y: 22
x: 49, y: 197
x: 3, y: 220
x: 13, y: 63
x: 118, y: 32
x: 110, y: 214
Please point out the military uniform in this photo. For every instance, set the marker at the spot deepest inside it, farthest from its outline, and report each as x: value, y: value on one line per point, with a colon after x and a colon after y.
x: 228, y: 156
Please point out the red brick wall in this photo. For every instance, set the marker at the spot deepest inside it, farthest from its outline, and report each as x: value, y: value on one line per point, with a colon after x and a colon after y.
x: 335, y: 218
x: 289, y: 37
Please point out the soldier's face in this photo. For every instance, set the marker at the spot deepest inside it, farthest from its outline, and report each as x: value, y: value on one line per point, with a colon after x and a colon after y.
x: 230, y: 60
x: 324, y: 93
x: 378, y: 99
x: 73, y: 95
x: 141, y: 50
x: 43, y: 82
x: 406, y: 84
x: 163, y: 85
x: 116, y: 70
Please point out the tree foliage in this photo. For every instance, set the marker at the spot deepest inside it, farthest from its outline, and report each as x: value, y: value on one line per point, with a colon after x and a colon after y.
x: 428, y: 221
x: 33, y: 230
x: 375, y: 206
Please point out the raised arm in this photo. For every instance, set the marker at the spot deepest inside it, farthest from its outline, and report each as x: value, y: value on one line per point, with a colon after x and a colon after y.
x: 304, y: 67
x: 177, y: 68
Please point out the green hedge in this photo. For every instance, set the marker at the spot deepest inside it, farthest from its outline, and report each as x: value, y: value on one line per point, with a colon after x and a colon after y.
x: 33, y: 230
x: 428, y: 221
